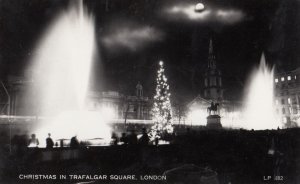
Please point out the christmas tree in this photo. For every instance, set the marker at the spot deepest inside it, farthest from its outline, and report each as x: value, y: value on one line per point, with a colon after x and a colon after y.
x: 162, y: 113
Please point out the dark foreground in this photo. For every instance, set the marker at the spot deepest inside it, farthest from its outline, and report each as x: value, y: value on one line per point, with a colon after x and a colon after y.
x: 237, y: 156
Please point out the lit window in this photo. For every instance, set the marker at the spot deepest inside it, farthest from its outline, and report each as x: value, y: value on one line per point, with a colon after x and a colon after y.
x: 289, y: 100
x: 282, y: 79
x: 276, y: 80
x: 295, y: 77
x: 289, y: 78
x: 295, y: 111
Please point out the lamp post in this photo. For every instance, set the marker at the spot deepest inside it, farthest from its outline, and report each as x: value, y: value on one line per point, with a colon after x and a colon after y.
x: 126, y: 112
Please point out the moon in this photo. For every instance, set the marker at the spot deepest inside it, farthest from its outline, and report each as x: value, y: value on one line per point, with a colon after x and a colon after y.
x: 199, y: 7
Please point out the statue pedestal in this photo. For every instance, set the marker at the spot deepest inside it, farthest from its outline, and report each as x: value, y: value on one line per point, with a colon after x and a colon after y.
x: 214, y: 122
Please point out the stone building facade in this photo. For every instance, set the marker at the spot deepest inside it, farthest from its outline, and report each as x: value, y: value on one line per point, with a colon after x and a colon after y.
x: 287, y: 97
x: 123, y: 106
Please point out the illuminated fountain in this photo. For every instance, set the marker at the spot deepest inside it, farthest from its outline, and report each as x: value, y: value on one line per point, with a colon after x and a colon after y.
x: 259, y: 111
x: 61, y: 70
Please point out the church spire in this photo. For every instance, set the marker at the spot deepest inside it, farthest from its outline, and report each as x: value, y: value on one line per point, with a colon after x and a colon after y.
x: 212, y: 78
x: 211, y: 56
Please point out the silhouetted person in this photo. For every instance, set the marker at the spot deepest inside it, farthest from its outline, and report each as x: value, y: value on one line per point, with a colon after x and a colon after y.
x: 19, y: 145
x: 61, y: 143
x: 144, y: 140
x: 132, y: 138
x: 156, y: 140
x: 124, y: 138
x: 33, y: 141
x: 49, y: 142
x: 114, y: 138
x: 188, y: 131
x: 74, y: 142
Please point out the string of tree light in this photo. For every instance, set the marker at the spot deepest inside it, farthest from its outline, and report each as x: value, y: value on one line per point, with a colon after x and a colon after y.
x: 162, y: 113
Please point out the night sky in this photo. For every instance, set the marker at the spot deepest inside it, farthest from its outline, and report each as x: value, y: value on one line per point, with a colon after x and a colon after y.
x: 133, y: 35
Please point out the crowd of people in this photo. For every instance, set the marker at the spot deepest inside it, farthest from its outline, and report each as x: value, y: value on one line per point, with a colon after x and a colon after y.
x: 130, y: 138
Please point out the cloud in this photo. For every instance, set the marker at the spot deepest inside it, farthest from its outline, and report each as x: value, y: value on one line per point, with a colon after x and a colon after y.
x: 229, y: 16
x: 132, y: 37
x: 189, y: 12
x: 209, y: 14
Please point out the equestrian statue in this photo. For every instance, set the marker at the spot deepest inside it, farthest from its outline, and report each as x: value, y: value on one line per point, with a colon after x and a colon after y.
x: 213, y: 108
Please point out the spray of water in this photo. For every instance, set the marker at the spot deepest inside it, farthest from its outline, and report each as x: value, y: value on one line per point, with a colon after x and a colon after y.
x: 61, y: 71
x: 259, y: 112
